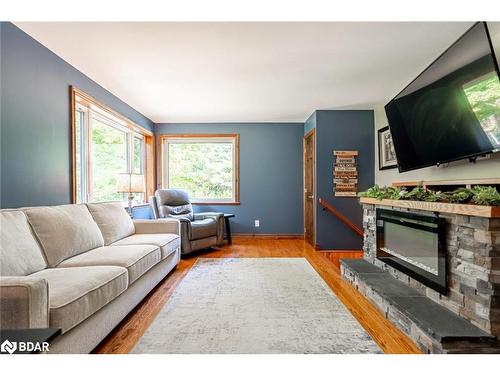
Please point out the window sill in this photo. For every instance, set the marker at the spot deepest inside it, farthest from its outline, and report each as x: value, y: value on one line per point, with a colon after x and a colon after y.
x: 215, y: 203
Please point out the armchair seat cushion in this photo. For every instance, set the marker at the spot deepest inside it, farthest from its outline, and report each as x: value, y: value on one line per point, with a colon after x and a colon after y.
x: 203, y: 228
x: 78, y: 292
x: 166, y: 242
x: 137, y: 259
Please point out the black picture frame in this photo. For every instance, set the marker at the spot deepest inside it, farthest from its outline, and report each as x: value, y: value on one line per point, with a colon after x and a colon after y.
x: 382, y: 163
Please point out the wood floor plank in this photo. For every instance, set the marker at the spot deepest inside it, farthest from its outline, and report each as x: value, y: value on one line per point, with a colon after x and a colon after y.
x: 391, y: 340
x: 335, y: 255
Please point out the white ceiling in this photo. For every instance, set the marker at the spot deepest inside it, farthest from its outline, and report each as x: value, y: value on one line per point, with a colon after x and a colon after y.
x: 245, y: 72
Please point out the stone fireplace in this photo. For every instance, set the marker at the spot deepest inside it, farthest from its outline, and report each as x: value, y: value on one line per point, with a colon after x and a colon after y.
x: 463, y: 246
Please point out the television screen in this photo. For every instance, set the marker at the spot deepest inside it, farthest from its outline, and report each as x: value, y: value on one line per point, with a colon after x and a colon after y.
x: 451, y: 111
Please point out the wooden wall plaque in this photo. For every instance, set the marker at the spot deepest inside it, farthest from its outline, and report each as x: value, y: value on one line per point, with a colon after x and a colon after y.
x: 345, y: 173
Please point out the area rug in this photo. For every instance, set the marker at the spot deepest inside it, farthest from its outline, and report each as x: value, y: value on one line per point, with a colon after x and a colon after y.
x: 254, y: 305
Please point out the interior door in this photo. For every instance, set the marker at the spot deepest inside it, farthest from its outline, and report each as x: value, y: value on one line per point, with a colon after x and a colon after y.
x: 309, y: 188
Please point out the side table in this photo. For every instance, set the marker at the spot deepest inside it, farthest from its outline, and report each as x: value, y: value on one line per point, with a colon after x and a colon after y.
x: 228, y: 227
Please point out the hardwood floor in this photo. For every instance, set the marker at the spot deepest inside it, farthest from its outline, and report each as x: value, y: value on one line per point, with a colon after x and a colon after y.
x: 388, y: 337
x: 335, y: 256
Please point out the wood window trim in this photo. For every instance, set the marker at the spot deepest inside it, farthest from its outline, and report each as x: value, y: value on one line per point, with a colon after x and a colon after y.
x: 79, y: 96
x: 310, y: 133
x: 236, y: 163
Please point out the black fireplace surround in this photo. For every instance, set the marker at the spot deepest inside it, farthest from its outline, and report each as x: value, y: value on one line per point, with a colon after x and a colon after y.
x: 414, y: 245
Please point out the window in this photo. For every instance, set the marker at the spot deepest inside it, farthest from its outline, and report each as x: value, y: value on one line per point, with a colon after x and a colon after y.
x: 105, y: 145
x: 204, y: 165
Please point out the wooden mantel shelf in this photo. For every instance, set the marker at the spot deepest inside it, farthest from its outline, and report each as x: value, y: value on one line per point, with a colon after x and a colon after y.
x: 449, y: 208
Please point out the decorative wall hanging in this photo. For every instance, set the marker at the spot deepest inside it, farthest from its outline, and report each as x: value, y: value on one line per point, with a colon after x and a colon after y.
x: 345, y: 174
x: 386, y: 153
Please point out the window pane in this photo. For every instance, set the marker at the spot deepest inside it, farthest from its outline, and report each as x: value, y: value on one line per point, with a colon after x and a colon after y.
x: 205, y: 170
x: 138, y: 155
x: 109, y: 148
x: 78, y: 155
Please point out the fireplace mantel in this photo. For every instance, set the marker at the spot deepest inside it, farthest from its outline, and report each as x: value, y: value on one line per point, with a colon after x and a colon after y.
x: 491, y: 212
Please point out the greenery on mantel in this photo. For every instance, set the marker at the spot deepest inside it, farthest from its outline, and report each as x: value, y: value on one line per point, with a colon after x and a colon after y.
x: 480, y: 195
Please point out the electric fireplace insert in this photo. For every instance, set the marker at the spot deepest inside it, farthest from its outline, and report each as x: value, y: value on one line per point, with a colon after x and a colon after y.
x: 413, y: 244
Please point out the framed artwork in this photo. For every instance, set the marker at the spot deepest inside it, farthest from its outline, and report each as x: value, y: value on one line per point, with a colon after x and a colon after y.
x: 386, y: 153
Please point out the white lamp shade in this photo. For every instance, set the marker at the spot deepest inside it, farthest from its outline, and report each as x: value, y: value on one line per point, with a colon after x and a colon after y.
x: 130, y: 183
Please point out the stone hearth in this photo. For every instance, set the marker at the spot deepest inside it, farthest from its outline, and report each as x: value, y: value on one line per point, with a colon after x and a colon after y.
x: 473, y: 257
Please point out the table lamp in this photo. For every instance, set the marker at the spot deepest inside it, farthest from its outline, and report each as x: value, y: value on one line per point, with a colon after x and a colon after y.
x: 130, y: 183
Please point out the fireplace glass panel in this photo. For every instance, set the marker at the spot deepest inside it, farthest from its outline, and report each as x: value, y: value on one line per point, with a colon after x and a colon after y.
x: 420, y: 251
x: 413, y: 244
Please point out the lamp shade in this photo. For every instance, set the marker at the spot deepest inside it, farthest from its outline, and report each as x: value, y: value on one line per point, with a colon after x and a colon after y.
x: 130, y: 183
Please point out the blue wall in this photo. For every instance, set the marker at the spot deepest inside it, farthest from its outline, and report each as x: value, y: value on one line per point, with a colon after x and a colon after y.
x: 35, y: 120
x: 36, y: 150
x: 342, y: 130
x: 142, y: 212
x: 270, y: 174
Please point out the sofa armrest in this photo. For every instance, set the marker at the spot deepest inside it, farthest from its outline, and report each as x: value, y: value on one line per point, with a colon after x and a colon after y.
x: 24, y: 302
x: 143, y: 226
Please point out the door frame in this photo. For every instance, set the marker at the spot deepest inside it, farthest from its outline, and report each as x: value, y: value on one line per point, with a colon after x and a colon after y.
x: 311, y: 133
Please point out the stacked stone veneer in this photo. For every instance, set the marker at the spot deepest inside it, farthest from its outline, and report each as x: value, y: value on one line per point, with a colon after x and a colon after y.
x: 473, y: 255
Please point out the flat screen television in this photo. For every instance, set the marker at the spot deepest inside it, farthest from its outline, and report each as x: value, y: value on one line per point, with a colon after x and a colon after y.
x: 451, y: 111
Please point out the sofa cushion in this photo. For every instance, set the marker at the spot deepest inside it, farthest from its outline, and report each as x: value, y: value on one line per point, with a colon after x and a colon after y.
x: 113, y: 221
x: 78, y: 292
x: 137, y: 259
x: 20, y: 253
x: 64, y: 231
x: 203, y: 228
x: 166, y: 242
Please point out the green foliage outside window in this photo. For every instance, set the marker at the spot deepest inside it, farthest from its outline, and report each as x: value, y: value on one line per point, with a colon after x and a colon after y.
x: 109, y: 158
x: 205, y: 170
x: 138, y: 155
x: 78, y: 156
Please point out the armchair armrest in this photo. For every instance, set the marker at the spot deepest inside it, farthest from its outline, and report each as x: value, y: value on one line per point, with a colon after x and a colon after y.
x: 154, y: 207
x: 205, y: 215
x: 24, y: 302
x: 219, y: 218
x: 143, y: 226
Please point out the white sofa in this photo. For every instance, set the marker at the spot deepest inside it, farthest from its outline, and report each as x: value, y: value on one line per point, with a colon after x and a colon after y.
x: 81, y: 268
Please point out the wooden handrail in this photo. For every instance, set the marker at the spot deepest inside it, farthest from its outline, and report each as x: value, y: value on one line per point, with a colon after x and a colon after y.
x: 327, y: 206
